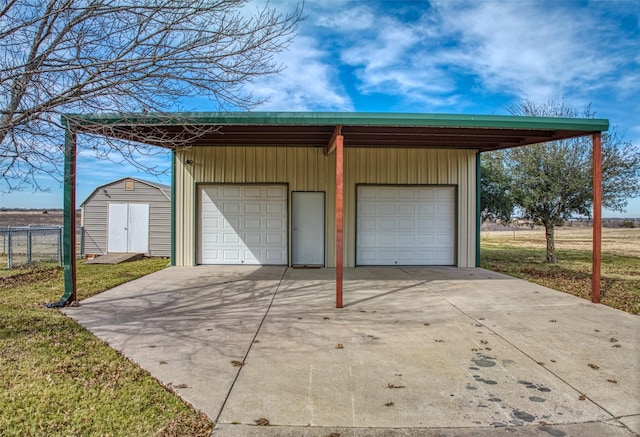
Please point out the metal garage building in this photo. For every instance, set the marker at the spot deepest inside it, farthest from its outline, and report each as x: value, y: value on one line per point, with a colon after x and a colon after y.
x: 330, y: 189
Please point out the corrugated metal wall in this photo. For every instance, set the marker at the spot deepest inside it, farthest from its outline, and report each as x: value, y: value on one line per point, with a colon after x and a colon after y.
x: 95, y: 217
x: 302, y: 168
x: 308, y: 169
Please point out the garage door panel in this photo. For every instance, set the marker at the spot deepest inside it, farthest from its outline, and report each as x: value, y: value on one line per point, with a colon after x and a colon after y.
x: 406, y: 240
x: 447, y: 195
x: 230, y: 208
x: 212, y: 255
x: 250, y: 192
x: 252, y: 208
x: 243, y: 225
x: 275, y: 208
x: 442, y: 240
x: 228, y: 238
x: 252, y: 223
x: 274, y: 256
x: 406, y: 209
x: 425, y: 239
x: 210, y: 239
x: 253, y: 238
x: 443, y: 226
x: 230, y: 223
x: 274, y: 239
x: 229, y: 192
x: 231, y: 256
x: 444, y: 209
x: 426, y: 209
x: 276, y: 192
x: 275, y: 223
x: 405, y: 225
x: 366, y: 239
x: 406, y: 193
x: 427, y: 194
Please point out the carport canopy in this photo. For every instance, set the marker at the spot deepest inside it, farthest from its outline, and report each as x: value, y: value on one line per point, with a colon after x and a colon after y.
x: 333, y: 131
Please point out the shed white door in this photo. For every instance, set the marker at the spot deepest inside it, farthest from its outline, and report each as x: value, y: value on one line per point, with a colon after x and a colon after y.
x: 128, y: 227
x: 307, y: 229
x: 405, y: 225
x: 243, y: 224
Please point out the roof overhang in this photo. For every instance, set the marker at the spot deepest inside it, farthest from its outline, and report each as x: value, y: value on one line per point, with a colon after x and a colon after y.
x: 316, y: 129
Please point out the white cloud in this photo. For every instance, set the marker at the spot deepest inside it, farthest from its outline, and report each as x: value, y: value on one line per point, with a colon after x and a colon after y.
x: 529, y: 49
x: 308, y: 82
x: 348, y: 19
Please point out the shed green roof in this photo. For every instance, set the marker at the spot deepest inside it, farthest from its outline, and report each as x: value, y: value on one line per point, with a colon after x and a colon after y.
x: 360, y: 129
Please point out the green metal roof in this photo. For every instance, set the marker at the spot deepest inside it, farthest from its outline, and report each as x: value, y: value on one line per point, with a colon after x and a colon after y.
x: 360, y: 129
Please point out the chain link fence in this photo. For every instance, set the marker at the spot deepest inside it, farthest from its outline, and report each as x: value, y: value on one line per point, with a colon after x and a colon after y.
x: 21, y: 246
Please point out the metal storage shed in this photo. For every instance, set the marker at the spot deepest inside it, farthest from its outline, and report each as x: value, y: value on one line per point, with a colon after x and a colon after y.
x: 128, y: 215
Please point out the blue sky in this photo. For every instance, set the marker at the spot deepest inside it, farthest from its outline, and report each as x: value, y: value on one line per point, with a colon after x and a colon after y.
x: 456, y: 56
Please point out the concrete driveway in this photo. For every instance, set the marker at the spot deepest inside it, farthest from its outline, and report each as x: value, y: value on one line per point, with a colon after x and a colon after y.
x: 415, y: 351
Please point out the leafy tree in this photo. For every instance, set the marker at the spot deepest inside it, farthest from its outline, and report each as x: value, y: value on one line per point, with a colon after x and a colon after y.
x: 495, y: 196
x: 549, y: 183
x: 74, y: 56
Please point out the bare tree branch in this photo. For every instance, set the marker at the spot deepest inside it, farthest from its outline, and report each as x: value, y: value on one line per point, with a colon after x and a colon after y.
x: 97, y: 56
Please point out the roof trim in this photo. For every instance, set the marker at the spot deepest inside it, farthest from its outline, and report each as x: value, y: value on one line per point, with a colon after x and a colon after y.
x: 588, y: 125
x: 162, y: 187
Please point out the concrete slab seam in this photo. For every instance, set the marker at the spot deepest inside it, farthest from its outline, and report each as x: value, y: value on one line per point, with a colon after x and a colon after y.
x: 244, y: 359
x: 424, y: 283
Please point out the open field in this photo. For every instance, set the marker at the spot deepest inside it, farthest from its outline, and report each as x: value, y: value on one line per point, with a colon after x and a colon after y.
x: 33, y: 217
x: 621, y: 241
x: 59, y: 379
x: 522, y: 254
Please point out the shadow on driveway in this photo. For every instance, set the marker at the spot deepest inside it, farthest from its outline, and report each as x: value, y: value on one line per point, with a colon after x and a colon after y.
x: 415, y: 351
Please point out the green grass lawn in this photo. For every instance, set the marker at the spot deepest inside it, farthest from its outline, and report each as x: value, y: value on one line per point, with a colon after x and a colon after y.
x: 57, y: 378
x: 572, y: 274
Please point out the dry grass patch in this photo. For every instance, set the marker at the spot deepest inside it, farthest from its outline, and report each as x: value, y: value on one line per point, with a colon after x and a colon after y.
x: 523, y: 256
x: 621, y: 241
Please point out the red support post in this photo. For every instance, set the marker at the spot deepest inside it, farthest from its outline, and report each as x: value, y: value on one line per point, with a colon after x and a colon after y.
x: 597, y: 218
x: 339, y: 217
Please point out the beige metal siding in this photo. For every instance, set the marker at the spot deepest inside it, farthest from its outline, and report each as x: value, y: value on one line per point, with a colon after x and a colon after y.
x: 96, y: 216
x: 308, y: 169
x: 302, y: 168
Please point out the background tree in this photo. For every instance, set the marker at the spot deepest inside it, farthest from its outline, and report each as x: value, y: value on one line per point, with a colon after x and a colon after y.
x: 549, y: 183
x: 495, y: 196
x: 75, y: 56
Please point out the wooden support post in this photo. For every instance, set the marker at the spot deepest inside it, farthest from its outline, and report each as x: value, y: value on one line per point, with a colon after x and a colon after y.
x: 597, y: 218
x: 331, y: 145
x: 339, y: 217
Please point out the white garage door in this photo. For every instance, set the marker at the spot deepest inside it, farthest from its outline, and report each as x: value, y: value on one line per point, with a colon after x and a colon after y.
x: 243, y: 224
x: 405, y: 225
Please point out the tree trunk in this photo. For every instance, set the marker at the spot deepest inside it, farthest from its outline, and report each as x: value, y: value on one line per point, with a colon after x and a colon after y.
x: 551, y: 245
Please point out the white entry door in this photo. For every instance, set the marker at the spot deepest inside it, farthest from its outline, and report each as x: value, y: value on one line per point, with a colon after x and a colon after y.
x: 128, y: 227
x: 307, y: 230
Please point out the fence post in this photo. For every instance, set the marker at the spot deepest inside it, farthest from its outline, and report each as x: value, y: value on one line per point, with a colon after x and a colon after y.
x: 29, y: 245
x: 81, y: 242
x: 9, y: 260
x: 60, y: 246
